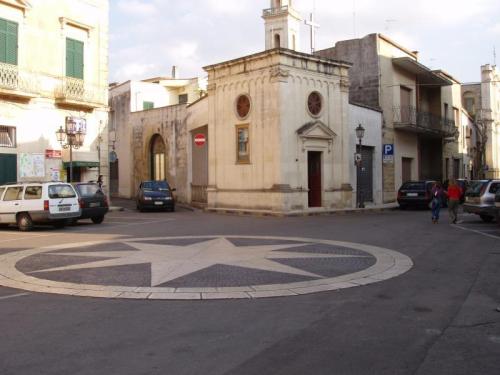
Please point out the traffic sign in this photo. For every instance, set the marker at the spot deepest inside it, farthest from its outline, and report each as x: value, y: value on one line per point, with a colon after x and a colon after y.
x: 200, y: 140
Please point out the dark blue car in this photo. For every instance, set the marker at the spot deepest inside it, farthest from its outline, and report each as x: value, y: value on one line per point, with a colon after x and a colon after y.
x: 155, y: 195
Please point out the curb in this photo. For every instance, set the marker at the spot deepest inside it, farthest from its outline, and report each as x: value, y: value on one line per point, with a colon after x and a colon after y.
x: 263, y: 213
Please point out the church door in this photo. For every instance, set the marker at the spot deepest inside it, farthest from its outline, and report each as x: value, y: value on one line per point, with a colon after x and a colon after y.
x: 314, y: 176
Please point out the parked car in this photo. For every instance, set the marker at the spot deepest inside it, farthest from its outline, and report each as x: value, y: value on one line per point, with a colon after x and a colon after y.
x: 415, y: 194
x: 93, y: 202
x: 480, y: 199
x: 155, y: 195
x: 26, y: 204
x: 497, y: 205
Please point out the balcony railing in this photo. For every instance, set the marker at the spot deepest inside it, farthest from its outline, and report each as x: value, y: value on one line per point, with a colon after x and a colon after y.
x: 73, y: 90
x: 409, y: 118
x: 16, y: 80
x: 275, y: 11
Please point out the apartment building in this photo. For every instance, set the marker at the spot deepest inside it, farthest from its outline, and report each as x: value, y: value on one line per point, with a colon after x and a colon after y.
x: 138, y: 108
x: 419, y: 107
x: 53, y: 75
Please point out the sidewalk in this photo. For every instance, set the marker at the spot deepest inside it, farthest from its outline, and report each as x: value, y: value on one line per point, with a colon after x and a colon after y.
x: 123, y: 204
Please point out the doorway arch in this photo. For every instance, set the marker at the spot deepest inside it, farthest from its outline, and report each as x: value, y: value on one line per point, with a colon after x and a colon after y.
x: 157, y: 152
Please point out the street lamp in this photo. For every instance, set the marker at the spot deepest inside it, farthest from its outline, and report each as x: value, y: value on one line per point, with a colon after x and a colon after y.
x: 360, y: 133
x: 72, y: 137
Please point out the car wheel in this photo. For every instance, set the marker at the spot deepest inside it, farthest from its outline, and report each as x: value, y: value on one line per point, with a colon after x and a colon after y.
x: 97, y: 219
x: 486, y: 218
x: 24, y: 222
x: 60, y: 224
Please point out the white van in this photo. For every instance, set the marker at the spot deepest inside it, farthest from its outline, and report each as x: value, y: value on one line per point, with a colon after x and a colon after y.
x: 26, y: 204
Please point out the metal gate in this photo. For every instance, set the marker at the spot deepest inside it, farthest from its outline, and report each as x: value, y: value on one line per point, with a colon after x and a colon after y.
x: 365, y: 174
x: 8, y: 168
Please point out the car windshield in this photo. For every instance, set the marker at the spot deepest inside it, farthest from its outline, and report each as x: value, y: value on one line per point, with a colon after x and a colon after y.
x: 155, y: 186
x: 61, y: 191
x: 413, y: 186
x: 476, y: 187
x: 89, y: 190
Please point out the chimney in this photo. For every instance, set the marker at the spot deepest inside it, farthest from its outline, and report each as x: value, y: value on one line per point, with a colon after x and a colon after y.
x: 175, y: 72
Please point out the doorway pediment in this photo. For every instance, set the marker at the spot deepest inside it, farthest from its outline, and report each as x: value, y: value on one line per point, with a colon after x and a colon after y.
x: 316, y: 130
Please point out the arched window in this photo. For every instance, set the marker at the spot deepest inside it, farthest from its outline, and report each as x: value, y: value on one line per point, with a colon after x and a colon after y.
x: 277, y: 41
x: 157, y: 155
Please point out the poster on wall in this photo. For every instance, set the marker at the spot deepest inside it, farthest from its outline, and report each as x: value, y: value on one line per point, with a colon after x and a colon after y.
x: 31, y: 165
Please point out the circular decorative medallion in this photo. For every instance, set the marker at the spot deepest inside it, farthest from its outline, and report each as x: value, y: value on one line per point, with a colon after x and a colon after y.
x: 243, y: 106
x: 200, y: 267
x: 315, y: 103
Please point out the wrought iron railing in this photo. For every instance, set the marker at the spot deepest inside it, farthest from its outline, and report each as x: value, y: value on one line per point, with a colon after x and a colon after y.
x: 409, y: 116
x: 275, y: 11
x: 78, y: 90
x: 11, y: 78
x: 8, y: 136
x: 199, y: 194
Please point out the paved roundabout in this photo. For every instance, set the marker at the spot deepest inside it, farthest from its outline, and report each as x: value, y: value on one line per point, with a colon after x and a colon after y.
x: 200, y: 267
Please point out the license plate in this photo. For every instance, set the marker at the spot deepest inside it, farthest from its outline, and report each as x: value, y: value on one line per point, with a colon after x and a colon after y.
x: 412, y: 194
x: 64, y: 209
x: 159, y: 203
x: 91, y: 205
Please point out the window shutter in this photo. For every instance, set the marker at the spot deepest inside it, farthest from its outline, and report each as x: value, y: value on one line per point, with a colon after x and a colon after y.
x: 74, y: 58
x: 8, y: 42
x: 3, y: 40
x: 11, y: 45
x: 69, y: 58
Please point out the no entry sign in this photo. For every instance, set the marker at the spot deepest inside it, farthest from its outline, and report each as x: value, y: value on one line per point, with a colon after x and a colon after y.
x: 200, y: 140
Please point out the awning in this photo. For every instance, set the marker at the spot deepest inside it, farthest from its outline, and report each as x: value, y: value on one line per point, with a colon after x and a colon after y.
x: 424, y: 74
x: 82, y: 164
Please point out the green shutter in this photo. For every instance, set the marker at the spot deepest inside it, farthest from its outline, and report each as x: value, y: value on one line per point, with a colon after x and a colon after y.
x: 8, y: 168
x: 8, y: 41
x: 148, y: 105
x: 74, y: 58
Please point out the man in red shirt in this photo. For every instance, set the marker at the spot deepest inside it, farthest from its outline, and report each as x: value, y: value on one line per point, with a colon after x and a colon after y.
x: 454, y: 193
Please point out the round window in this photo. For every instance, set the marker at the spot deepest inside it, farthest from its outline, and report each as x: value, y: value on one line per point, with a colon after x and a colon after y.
x: 315, y: 103
x: 243, y: 106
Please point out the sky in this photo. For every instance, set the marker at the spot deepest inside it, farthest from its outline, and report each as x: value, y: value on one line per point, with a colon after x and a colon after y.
x: 148, y: 37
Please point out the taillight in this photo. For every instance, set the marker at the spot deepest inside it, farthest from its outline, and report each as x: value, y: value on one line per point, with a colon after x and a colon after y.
x: 45, y: 205
x: 399, y: 195
x: 106, y: 203
x: 81, y: 203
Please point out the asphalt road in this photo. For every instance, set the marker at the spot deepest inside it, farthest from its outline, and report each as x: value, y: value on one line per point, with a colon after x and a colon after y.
x: 439, y: 318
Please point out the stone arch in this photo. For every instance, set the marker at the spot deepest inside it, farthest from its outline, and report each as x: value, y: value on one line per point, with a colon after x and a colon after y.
x: 157, y: 158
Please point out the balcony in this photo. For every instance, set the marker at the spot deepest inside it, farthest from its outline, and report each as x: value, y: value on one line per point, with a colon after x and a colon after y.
x: 76, y: 93
x: 18, y: 84
x: 275, y: 11
x: 408, y: 118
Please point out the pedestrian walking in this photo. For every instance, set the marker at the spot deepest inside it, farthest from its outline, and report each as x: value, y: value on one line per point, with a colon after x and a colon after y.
x: 100, y: 181
x: 437, y: 193
x: 454, y: 193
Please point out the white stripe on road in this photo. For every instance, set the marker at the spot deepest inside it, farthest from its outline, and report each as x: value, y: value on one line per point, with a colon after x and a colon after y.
x: 477, y: 232
x: 15, y: 296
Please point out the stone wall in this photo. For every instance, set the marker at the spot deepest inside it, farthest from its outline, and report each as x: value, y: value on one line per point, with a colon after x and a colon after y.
x: 170, y: 124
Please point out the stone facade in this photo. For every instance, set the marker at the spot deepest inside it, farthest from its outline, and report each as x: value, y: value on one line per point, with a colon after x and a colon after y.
x: 282, y: 132
x: 36, y: 93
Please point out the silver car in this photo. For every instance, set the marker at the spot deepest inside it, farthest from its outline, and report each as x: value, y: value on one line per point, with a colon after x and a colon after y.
x: 480, y: 199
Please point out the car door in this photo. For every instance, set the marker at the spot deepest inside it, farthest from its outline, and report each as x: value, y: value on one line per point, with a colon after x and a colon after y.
x: 11, y: 204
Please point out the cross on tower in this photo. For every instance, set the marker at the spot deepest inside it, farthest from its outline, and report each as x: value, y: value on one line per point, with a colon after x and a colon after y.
x: 313, y: 25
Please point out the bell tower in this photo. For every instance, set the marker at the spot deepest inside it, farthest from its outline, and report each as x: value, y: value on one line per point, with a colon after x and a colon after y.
x: 282, y: 24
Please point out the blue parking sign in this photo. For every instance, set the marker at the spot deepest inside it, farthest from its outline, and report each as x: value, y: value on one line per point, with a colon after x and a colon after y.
x: 389, y: 150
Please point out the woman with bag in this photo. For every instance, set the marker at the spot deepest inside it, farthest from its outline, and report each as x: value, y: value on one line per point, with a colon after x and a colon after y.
x: 436, y: 202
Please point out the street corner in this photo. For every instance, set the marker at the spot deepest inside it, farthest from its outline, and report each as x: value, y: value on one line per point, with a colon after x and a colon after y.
x: 200, y: 267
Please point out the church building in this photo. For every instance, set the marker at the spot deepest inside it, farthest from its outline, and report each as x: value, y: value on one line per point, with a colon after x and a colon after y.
x: 278, y: 125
